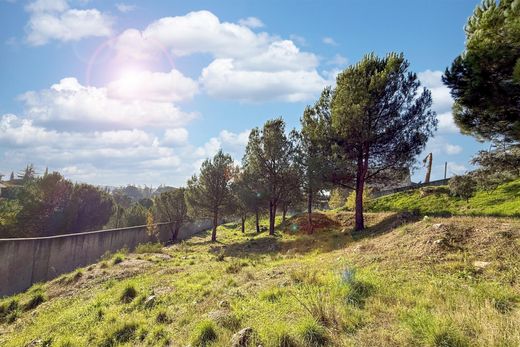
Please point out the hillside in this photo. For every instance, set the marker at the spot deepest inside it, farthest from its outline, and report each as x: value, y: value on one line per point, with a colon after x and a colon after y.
x: 503, y: 201
x: 403, y: 281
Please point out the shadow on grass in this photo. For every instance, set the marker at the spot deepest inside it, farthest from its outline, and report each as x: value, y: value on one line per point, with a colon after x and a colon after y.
x: 323, y: 240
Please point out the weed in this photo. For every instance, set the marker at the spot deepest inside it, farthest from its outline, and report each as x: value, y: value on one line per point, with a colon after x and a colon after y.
x: 128, y: 294
x: 313, y: 334
x: 36, y: 300
x: 148, y: 248
x: 120, y: 333
x: 204, y: 333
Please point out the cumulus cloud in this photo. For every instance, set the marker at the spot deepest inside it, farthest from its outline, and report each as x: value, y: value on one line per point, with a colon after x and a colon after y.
x: 172, y: 86
x: 68, y: 104
x: 54, y: 20
x: 251, y: 22
x: 223, y: 79
x: 452, y: 149
x: 247, y: 66
x: 175, y: 136
x: 229, y: 142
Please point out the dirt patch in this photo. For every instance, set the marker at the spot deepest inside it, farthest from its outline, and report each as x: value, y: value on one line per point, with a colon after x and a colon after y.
x: 300, y: 223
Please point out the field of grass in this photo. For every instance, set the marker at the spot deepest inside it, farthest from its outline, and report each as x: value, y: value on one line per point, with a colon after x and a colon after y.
x: 404, y: 281
x: 503, y: 201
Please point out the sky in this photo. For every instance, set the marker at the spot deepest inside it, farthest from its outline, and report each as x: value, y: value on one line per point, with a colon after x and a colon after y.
x: 141, y: 92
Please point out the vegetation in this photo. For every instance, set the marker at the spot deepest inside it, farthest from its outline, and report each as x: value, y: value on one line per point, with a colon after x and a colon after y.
x: 379, y: 121
x: 502, y: 201
x: 209, y: 194
x: 463, y: 186
x: 402, y: 281
x: 171, y: 207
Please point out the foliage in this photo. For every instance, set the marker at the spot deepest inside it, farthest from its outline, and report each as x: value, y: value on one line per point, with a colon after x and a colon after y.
x: 269, y: 157
x: 496, y: 166
x: 350, y: 203
x: 484, y: 79
x: 172, y: 208
x: 377, y: 123
x: 463, y: 186
x: 135, y: 215
x: 209, y: 194
x: 337, y: 198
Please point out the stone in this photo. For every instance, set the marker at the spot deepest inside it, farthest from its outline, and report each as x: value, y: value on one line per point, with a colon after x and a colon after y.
x: 438, y: 226
x: 150, y: 301
x: 481, y: 265
x: 242, y: 338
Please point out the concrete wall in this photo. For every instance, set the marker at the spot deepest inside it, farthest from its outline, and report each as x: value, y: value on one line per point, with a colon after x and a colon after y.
x: 24, y: 262
x: 412, y: 186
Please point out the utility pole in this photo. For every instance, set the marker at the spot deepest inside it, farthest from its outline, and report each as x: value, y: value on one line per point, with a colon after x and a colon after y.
x: 428, y: 162
x: 445, y: 169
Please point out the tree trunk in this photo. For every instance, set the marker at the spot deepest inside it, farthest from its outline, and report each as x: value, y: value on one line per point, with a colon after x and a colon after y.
x: 175, y: 232
x: 272, y: 216
x: 284, y: 213
x: 243, y: 224
x: 257, y: 220
x: 360, y: 184
x: 309, y: 211
x: 215, y: 222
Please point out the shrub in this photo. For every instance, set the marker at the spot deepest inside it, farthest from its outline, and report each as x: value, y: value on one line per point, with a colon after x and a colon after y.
x: 9, y: 311
x: 337, y: 198
x: 462, y: 186
x: 313, y: 334
x: 148, y: 248
x: 129, y: 294
x: 204, y: 333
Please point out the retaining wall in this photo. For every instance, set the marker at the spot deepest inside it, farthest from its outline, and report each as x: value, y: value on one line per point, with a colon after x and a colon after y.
x: 442, y: 182
x: 26, y: 261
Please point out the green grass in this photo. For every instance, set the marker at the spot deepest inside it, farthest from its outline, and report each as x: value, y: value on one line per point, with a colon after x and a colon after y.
x: 503, y: 201
x: 391, y: 286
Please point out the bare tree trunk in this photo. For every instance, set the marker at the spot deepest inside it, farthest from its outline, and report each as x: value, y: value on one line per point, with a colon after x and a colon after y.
x: 284, y: 212
x: 257, y: 220
x: 175, y: 232
x: 243, y: 224
x: 272, y: 217
x: 360, y: 185
x: 309, y: 211
x: 215, y: 222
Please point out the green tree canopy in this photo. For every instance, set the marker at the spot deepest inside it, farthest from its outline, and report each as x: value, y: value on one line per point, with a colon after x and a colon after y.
x: 269, y: 155
x: 485, y: 79
x: 171, y: 207
x: 209, y: 194
x: 377, y: 123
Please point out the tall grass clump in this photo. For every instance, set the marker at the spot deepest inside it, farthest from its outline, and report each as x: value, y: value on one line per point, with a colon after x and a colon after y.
x: 128, y: 294
x: 204, y: 334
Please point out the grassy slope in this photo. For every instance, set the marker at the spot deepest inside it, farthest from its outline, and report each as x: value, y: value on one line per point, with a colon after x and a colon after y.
x: 503, y: 201
x: 401, y: 282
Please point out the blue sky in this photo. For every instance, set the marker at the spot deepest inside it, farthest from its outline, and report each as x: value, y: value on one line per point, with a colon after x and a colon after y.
x: 141, y: 92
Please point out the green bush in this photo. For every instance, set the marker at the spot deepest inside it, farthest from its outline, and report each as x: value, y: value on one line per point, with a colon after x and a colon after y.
x: 462, y: 186
x: 36, y: 300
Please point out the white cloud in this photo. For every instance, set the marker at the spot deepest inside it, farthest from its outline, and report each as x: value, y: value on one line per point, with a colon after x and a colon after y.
x: 248, y: 66
x: 125, y: 8
x: 229, y: 142
x: 251, y: 22
x: 329, y: 41
x: 456, y: 169
x: 175, y: 136
x: 69, y: 104
x: 222, y: 79
x: 453, y: 149
x: 446, y: 123
x: 338, y: 59
x: 54, y: 20
x: 152, y: 86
